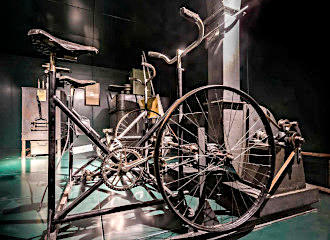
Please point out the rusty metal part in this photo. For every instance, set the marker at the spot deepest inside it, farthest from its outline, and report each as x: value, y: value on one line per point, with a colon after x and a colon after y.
x: 280, y: 172
x: 320, y: 155
x: 115, y: 175
x: 273, y: 122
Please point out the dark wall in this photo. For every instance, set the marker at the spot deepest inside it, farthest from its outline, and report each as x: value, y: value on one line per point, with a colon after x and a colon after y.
x: 18, y: 71
x: 120, y: 29
x: 281, y: 47
x: 282, y: 44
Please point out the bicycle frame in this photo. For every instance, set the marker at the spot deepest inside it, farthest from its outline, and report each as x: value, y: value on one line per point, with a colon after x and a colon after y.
x: 61, y: 215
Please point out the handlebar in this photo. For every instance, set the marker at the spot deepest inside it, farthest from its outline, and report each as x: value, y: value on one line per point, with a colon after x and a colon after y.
x: 192, y: 17
x: 153, y: 75
x: 189, y: 15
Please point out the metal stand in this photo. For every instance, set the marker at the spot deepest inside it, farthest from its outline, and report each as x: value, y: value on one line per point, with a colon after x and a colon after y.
x: 59, y: 214
x: 51, y: 146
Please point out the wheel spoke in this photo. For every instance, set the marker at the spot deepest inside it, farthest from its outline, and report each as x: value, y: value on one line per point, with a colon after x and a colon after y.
x: 207, y: 181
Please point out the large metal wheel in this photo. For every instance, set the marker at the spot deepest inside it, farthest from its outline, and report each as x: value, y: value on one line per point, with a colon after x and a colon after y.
x: 220, y: 158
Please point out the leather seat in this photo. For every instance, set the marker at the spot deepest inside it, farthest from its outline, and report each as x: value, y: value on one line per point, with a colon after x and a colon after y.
x: 46, y: 44
x: 76, y: 83
x: 116, y: 88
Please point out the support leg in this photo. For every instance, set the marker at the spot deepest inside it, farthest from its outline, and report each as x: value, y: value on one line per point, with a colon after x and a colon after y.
x: 51, y: 147
x: 70, y: 132
x: 23, y: 153
x: 202, y: 158
x: 70, y: 152
x: 58, y: 148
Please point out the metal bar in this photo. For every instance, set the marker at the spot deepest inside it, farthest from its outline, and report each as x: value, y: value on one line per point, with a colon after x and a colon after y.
x: 83, y: 166
x: 70, y: 132
x: 150, y: 132
x: 131, y: 137
x: 238, y: 14
x: 89, y: 133
x: 105, y: 211
x: 51, y: 146
x: 78, y: 200
x: 279, y: 173
x: 179, y: 130
x: 312, y: 154
x: 144, y: 113
x: 273, y: 122
x: 213, y: 15
x: 65, y: 196
x: 322, y: 189
x: 201, y: 158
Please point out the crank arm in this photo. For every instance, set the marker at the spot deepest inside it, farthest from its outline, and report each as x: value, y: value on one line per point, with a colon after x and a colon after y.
x: 130, y: 166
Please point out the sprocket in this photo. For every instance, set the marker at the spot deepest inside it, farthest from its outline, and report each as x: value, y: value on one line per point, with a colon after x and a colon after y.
x: 117, y: 175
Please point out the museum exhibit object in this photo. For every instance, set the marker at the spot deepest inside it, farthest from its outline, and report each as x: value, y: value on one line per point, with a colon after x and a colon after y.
x: 211, y: 158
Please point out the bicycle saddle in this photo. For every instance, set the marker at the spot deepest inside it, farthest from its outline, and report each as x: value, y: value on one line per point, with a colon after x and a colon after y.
x: 76, y: 83
x: 45, y: 43
x: 118, y: 88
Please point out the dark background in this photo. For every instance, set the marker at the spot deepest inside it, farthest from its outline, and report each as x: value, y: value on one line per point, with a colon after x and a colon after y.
x: 282, y: 45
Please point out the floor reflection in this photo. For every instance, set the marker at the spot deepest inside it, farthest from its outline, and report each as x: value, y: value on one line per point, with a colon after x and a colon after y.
x: 23, y: 182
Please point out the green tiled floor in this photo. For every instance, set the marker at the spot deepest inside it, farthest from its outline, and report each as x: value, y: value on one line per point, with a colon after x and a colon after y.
x: 23, y: 182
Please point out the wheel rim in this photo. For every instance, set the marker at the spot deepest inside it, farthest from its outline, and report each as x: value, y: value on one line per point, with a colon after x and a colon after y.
x: 219, y: 186
x: 137, y: 131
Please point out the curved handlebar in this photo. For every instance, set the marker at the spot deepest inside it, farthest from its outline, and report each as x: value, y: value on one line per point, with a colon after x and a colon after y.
x: 148, y: 65
x: 189, y: 15
x: 162, y: 56
x: 153, y: 75
x: 192, y: 17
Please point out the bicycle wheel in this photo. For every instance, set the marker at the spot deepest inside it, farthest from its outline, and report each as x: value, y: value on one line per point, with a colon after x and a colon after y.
x: 220, y: 158
x: 141, y: 124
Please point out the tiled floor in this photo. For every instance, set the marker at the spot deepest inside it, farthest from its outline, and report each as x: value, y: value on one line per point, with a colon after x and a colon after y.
x: 23, y: 182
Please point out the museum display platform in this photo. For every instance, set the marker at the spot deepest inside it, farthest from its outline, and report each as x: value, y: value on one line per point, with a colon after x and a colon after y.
x: 23, y: 183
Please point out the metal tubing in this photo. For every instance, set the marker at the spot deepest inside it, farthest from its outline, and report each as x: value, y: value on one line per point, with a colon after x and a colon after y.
x: 51, y: 145
x: 179, y: 72
x: 201, y: 158
x: 83, y: 166
x: 149, y: 133
x: 132, y: 124
x: 78, y: 200
x: 89, y: 133
x: 70, y: 132
x: 100, y: 212
x: 193, y: 45
x: 180, y: 131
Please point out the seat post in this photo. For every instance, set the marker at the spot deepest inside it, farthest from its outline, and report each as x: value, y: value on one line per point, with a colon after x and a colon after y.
x: 51, y: 144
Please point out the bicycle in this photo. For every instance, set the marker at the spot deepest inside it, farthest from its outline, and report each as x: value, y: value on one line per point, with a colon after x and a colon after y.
x: 193, y: 145
x: 211, y: 180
